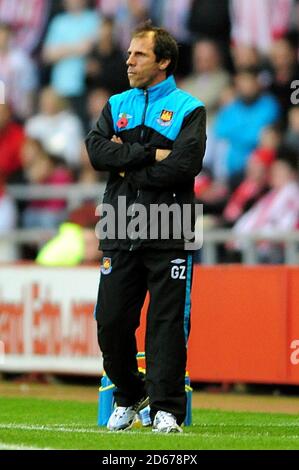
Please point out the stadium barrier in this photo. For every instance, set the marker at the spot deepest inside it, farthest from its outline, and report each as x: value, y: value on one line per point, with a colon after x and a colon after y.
x: 245, y: 322
x: 209, y: 254
x: 76, y: 194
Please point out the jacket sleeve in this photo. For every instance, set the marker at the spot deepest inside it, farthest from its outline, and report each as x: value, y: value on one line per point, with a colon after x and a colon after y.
x: 105, y: 155
x: 184, y: 161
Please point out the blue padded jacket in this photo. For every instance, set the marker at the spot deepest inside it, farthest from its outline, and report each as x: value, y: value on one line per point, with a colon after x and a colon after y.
x: 159, y: 117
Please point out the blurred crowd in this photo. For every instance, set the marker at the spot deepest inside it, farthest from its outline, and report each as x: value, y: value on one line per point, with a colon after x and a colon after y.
x: 61, y: 60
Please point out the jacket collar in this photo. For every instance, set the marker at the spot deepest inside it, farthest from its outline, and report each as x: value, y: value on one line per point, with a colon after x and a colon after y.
x: 161, y: 89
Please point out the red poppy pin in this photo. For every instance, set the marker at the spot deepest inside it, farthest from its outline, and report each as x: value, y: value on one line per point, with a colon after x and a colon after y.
x: 123, y: 121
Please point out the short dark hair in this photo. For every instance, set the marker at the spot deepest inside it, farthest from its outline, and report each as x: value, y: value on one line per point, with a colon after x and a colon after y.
x: 165, y: 46
x: 288, y: 155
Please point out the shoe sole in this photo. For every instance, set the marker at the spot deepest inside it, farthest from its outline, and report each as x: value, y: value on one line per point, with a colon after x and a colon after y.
x: 171, y: 431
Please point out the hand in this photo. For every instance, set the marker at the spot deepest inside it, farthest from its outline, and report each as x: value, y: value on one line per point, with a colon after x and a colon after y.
x: 161, y: 154
x: 83, y: 48
x: 116, y: 140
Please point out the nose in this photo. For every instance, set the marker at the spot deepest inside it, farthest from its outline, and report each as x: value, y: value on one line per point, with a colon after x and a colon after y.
x: 130, y: 60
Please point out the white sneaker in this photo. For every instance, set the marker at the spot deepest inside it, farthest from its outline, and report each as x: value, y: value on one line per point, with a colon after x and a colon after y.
x: 123, y: 417
x: 165, y: 422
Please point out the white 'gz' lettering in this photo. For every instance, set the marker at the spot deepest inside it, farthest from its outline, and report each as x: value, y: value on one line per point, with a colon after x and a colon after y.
x: 178, y: 272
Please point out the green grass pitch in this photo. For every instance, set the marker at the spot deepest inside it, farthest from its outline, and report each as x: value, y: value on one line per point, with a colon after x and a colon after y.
x: 51, y: 424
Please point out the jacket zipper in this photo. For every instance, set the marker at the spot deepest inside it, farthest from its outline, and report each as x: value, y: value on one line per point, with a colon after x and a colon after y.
x: 145, y: 93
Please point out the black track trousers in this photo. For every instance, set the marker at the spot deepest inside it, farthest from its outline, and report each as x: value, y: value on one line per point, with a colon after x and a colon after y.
x: 167, y: 275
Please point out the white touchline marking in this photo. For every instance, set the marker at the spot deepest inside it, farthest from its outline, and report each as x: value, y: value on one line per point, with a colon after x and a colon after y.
x: 54, y: 428
x: 72, y: 428
x: 4, y: 446
x: 247, y: 436
x: 76, y: 428
x: 249, y: 425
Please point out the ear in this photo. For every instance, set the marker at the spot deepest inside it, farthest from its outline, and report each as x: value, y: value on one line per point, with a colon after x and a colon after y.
x: 163, y: 64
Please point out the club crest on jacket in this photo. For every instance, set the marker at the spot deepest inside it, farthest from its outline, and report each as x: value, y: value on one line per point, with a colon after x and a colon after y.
x: 165, y: 118
x: 106, y: 267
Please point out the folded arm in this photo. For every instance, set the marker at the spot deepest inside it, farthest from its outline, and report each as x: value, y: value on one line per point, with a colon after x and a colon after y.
x: 109, y: 155
x: 183, y: 163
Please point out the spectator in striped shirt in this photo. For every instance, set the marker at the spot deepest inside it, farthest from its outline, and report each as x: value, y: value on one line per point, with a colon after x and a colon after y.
x: 28, y: 19
x: 277, y: 211
x: 258, y: 23
x: 18, y: 73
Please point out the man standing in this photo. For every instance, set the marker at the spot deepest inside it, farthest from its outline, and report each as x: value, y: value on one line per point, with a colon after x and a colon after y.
x: 151, y: 139
x: 70, y: 37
